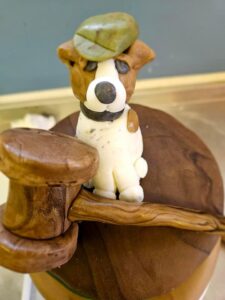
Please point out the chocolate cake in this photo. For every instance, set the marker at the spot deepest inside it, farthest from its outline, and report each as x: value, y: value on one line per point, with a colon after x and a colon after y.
x: 122, y: 262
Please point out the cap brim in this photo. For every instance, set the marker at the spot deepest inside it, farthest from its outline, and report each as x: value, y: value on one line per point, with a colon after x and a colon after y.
x: 90, y: 50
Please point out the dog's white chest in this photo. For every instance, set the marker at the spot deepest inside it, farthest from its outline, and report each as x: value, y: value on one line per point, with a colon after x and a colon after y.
x: 112, y: 139
x: 120, y: 163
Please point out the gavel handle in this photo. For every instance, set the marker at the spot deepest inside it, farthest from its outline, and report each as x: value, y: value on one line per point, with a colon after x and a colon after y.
x: 89, y: 207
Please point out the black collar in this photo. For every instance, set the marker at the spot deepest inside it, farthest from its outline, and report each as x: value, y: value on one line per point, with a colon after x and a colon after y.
x: 100, y: 116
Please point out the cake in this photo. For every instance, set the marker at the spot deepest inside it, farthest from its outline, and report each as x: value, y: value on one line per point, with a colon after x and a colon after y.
x: 123, y: 262
x: 166, y: 249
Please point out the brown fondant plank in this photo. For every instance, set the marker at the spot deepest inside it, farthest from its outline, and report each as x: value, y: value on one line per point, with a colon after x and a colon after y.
x: 185, y: 291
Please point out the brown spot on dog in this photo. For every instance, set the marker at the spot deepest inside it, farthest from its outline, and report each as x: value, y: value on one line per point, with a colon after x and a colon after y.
x: 136, y: 57
x: 79, y: 77
x: 141, y: 54
x: 132, y: 121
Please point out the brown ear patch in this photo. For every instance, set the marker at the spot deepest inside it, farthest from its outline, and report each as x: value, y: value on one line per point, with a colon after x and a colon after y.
x: 79, y: 78
x: 67, y: 53
x: 132, y: 121
x: 141, y: 54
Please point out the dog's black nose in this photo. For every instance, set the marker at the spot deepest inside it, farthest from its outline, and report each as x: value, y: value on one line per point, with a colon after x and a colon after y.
x: 105, y: 92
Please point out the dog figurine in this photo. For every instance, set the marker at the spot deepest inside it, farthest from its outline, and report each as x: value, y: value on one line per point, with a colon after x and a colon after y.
x: 104, y: 84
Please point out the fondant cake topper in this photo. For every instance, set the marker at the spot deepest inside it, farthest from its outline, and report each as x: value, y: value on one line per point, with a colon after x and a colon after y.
x: 103, y: 60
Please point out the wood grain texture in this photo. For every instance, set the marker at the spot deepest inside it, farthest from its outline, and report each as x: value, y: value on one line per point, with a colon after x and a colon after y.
x: 89, y: 207
x: 27, y: 255
x: 45, y: 170
x: 40, y: 157
x: 194, y: 286
x: 130, y: 262
x: 38, y: 212
x: 46, y: 284
x: 124, y: 262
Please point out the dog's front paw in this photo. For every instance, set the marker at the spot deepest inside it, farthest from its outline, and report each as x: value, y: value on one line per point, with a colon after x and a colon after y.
x: 132, y: 194
x: 104, y: 193
x: 141, y: 167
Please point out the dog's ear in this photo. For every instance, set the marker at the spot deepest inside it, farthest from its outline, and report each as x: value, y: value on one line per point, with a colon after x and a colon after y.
x: 141, y: 54
x: 67, y: 53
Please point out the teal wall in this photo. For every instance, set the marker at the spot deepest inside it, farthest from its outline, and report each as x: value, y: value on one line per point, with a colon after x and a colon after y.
x: 187, y: 35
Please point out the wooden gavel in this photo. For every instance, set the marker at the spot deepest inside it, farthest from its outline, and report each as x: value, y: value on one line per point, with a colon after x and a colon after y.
x: 38, y: 229
x: 46, y: 170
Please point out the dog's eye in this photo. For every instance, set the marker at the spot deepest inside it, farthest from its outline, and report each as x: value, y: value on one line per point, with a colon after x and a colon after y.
x: 122, y: 67
x: 71, y: 63
x: 91, y: 66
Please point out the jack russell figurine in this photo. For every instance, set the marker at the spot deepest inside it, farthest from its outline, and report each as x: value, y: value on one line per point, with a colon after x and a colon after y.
x: 103, y: 60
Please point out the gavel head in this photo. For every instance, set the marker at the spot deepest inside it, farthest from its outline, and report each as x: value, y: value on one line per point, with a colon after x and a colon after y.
x: 46, y: 170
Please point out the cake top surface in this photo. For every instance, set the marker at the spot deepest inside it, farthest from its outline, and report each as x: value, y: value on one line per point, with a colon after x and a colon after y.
x: 148, y: 262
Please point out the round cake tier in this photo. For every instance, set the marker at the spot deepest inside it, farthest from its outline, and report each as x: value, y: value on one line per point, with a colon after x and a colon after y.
x: 122, y: 262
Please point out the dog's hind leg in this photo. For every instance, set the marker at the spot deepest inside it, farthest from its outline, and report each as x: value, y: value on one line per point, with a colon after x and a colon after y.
x: 128, y: 183
x: 104, y: 183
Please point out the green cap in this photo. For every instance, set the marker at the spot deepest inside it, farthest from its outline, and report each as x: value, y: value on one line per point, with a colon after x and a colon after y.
x: 105, y: 36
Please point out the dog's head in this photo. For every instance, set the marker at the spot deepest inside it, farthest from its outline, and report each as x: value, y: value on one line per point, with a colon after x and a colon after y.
x: 105, y: 83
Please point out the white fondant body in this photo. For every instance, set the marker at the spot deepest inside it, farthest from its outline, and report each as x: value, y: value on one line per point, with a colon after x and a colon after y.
x: 121, y: 165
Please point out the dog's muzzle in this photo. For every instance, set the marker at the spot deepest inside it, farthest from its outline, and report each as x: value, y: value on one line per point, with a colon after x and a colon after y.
x: 105, y: 92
